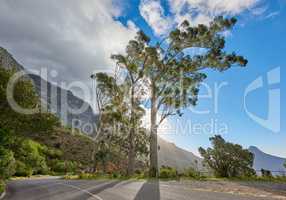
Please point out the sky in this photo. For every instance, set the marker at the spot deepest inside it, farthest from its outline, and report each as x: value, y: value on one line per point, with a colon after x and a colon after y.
x: 76, y: 38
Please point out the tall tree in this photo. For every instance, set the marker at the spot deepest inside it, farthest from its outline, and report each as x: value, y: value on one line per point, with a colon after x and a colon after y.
x: 172, y: 73
x: 121, y: 116
x: 132, y: 67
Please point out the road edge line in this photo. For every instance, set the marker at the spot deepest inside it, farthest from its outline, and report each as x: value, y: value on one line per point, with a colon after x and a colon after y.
x: 82, y: 190
x: 3, y: 195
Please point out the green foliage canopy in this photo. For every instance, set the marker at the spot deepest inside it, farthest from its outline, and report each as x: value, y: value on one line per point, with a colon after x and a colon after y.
x: 171, y: 74
x: 26, y: 97
x: 7, y: 160
x: 227, y: 159
x: 171, y: 69
x: 7, y: 163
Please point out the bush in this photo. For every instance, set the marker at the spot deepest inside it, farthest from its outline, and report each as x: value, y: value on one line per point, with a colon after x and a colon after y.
x: 192, y: 173
x: 115, y: 175
x: 61, y: 166
x: 6, y: 138
x: 31, y: 154
x: 281, y: 178
x: 57, y: 166
x: 168, y: 172
x: 266, y: 173
x: 7, y: 160
x: 2, y: 186
x: 23, y: 170
x: 141, y: 174
x: 53, y: 153
x: 7, y: 163
x: 43, y: 169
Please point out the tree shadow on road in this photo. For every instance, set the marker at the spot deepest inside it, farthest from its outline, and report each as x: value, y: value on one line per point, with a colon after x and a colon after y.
x: 150, y: 190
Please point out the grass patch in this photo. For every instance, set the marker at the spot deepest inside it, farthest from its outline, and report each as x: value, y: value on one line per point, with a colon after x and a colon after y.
x: 276, y: 179
x: 168, y: 174
x: 102, y: 176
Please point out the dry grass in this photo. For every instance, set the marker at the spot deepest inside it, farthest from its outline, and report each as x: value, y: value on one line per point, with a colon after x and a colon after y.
x: 246, y: 188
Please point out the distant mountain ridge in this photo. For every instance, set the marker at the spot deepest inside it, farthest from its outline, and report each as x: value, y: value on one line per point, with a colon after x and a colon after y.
x: 54, y: 105
x: 269, y: 162
x: 173, y: 156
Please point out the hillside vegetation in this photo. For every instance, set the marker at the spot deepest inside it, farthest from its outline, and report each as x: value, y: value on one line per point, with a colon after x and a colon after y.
x: 36, y: 143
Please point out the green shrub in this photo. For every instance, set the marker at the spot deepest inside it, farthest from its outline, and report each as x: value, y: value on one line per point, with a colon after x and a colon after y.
x: 281, y: 178
x: 53, y: 153
x: 266, y: 173
x: 6, y: 138
x: 7, y: 160
x: 115, y: 175
x: 23, y: 170
x: 141, y: 174
x: 58, y: 166
x: 2, y: 186
x: 168, y: 172
x: 192, y: 173
x: 31, y: 154
x: 72, y: 166
x: 7, y: 163
x: 43, y: 169
x: 61, y: 166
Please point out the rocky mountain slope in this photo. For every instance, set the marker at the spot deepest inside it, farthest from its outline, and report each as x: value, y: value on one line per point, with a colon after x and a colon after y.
x: 269, y: 162
x: 53, y: 100
x: 173, y: 156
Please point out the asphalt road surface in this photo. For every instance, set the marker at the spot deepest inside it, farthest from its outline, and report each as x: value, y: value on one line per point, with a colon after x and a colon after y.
x: 56, y: 189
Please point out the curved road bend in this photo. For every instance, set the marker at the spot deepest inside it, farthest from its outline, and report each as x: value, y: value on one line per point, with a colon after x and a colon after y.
x: 56, y: 189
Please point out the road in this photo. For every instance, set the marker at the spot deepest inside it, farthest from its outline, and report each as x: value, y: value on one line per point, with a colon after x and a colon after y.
x: 56, y: 189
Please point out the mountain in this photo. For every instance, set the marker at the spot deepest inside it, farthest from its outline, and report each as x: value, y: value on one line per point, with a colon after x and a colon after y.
x: 173, y: 156
x: 169, y: 153
x: 269, y: 162
x: 51, y: 95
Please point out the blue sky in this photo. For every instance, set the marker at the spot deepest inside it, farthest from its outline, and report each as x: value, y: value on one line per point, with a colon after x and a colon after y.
x: 76, y: 39
x: 261, y: 39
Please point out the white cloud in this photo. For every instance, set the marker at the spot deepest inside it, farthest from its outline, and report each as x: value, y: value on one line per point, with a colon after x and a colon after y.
x: 74, y: 37
x: 153, y: 13
x: 272, y: 15
x: 196, y: 11
x: 203, y: 11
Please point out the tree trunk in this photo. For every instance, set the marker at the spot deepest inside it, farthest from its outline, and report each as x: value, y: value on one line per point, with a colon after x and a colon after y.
x: 93, y: 157
x: 131, y: 153
x: 154, y: 171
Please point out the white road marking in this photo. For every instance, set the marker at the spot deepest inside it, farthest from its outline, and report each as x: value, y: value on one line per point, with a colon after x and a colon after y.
x: 82, y: 190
